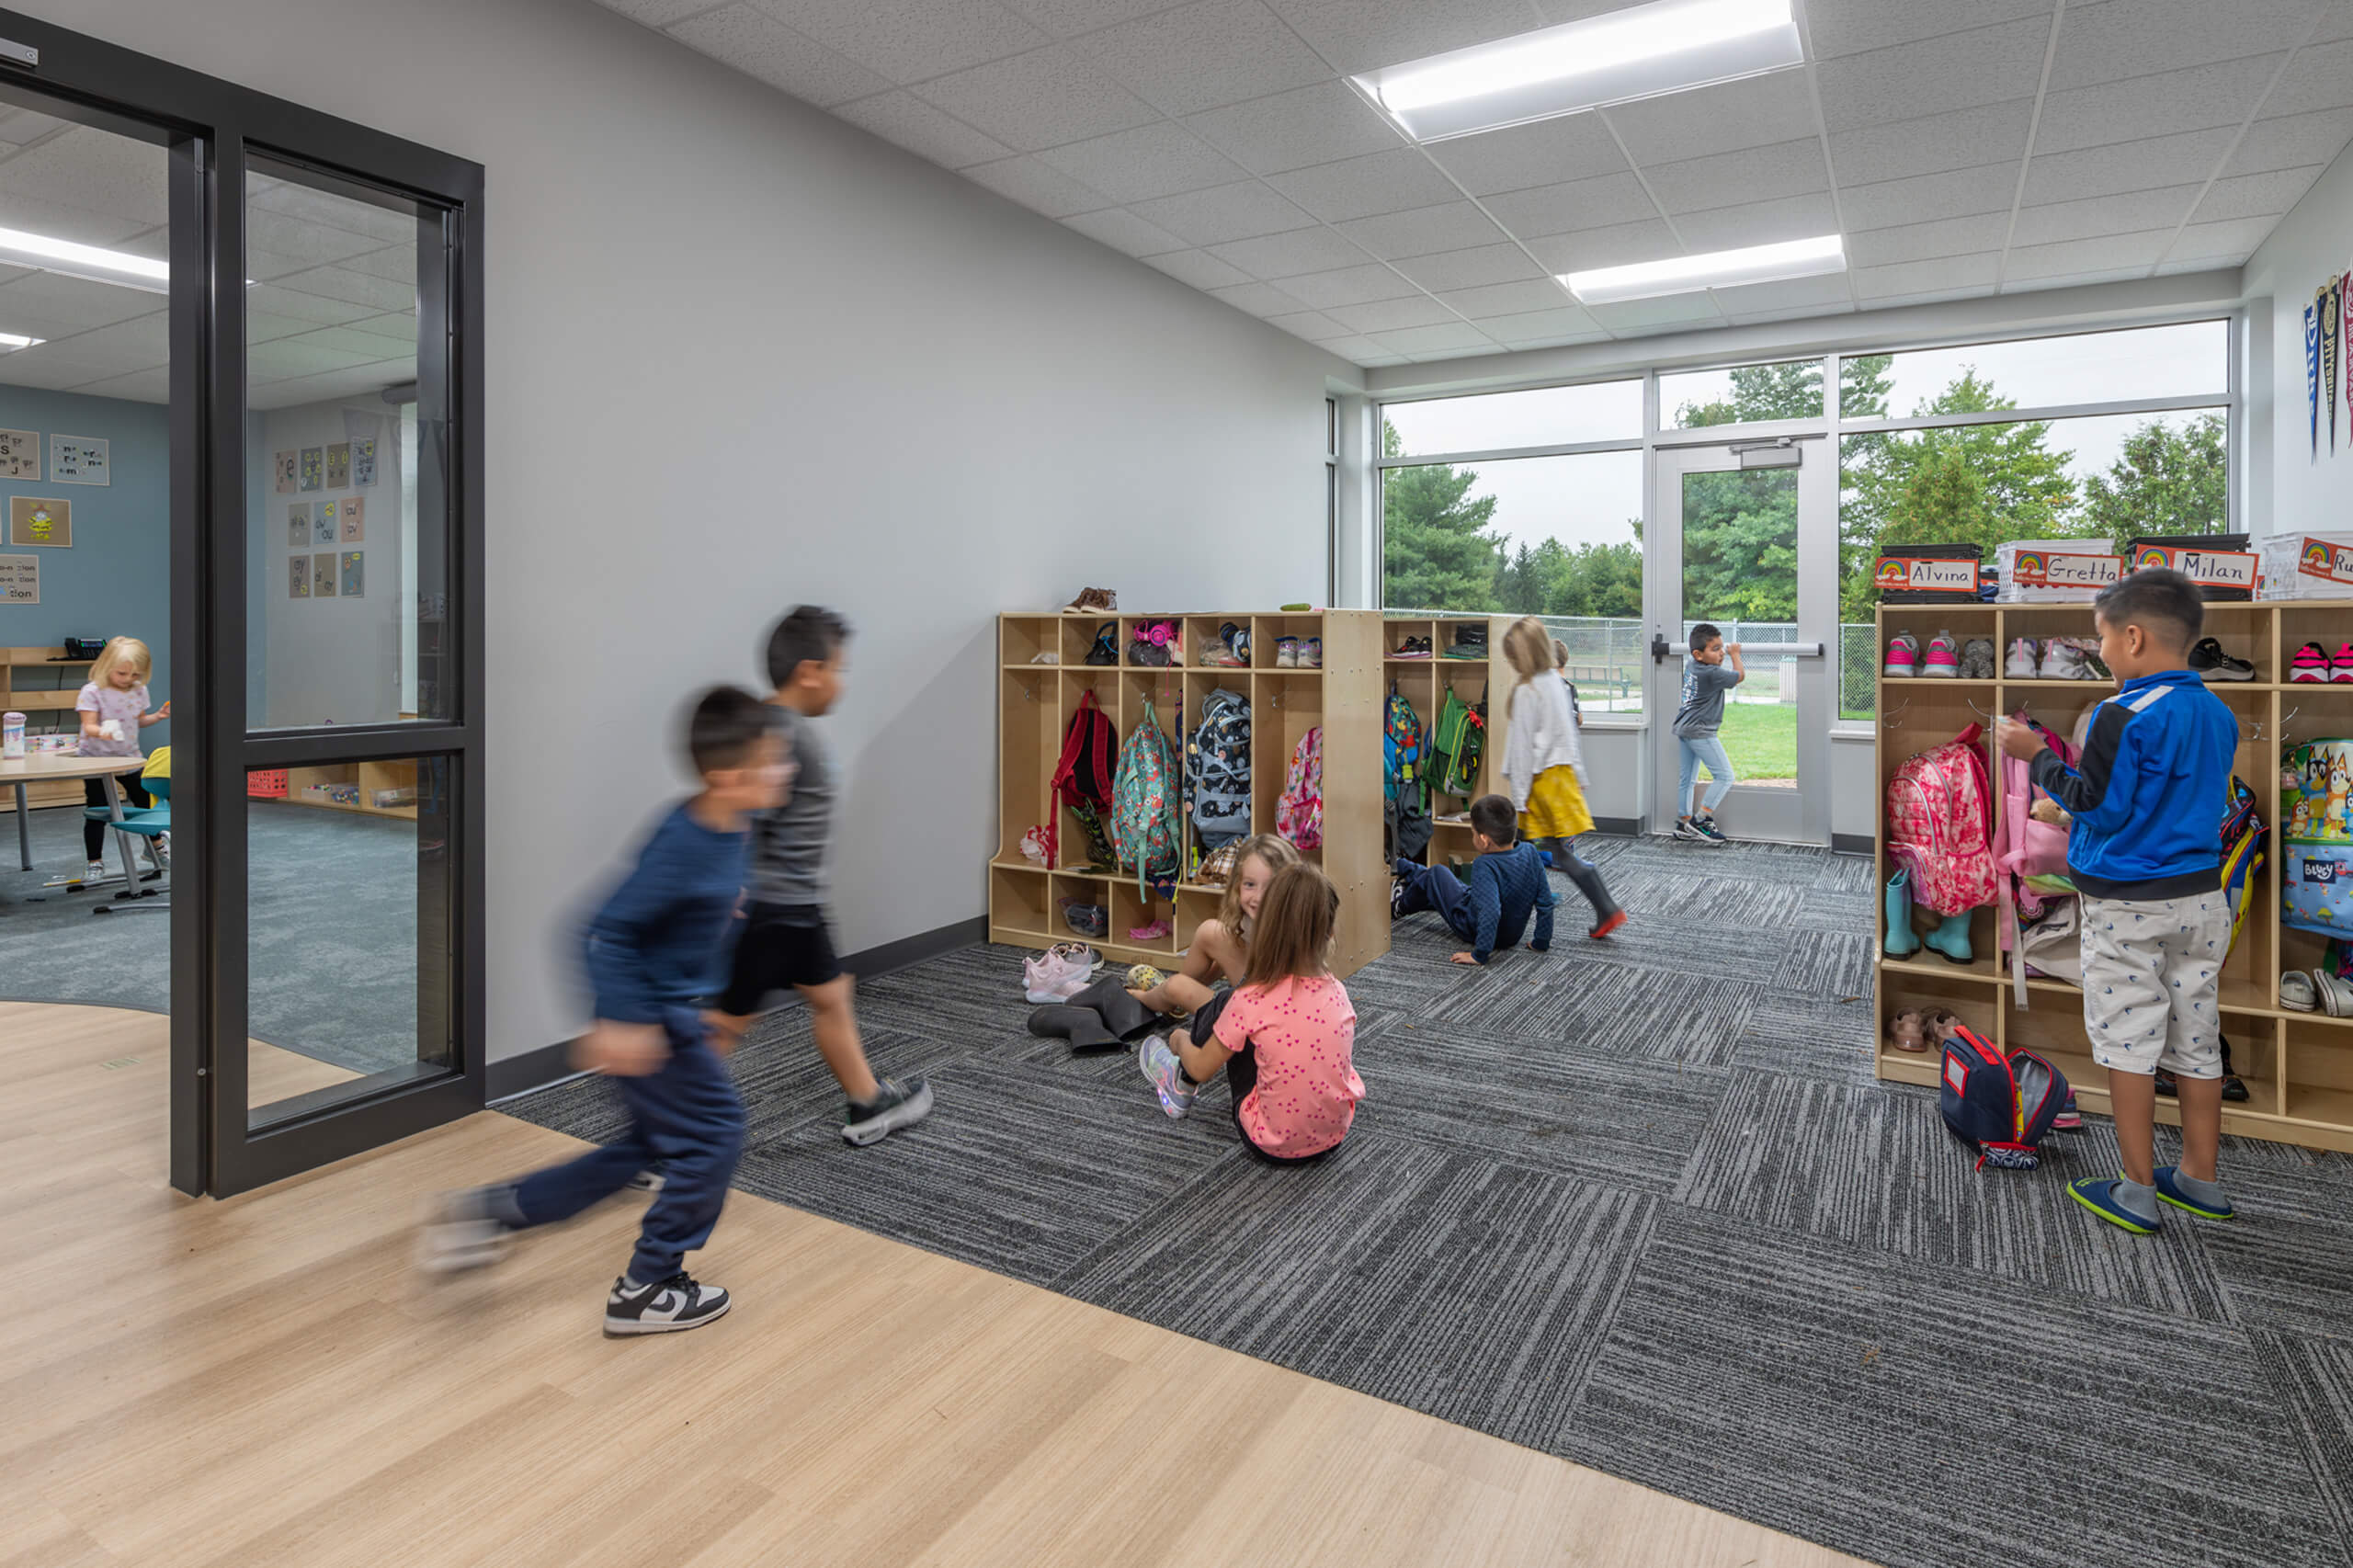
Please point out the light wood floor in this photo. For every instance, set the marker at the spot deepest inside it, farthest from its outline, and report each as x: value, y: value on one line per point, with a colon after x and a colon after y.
x: 264, y: 1382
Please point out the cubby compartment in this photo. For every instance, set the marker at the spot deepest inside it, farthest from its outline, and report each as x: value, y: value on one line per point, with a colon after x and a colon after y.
x: 1267, y: 632
x: 1976, y: 1005
x: 1206, y: 634
x: 1065, y: 890
x: 1032, y: 743
x: 1165, y: 632
x: 1200, y: 685
x: 1473, y: 684
x: 1017, y: 904
x: 2299, y: 622
x: 1284, y: 708
x: 1395, y: 634
x: 1078, y: 633
x: 1194, y: 905
x: 1963, y: 621
x: 1985, y: 960
x: 1446, y: 633
x: 2320, y: 1075
x: 1021, y: 638
x: 1131, y: 912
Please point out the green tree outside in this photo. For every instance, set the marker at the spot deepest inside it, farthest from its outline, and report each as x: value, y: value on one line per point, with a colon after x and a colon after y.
x: 2165, y: 481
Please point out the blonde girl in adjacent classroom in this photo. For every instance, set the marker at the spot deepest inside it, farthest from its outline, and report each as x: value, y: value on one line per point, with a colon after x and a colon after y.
x: 1285, y: 1037
x: 1544, y: 765
x: 1221, y: 947
x: 113, y: 709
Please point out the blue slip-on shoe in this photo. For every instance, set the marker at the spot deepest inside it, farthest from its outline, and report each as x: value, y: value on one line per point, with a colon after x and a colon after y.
x: 2099, y: 1194
x: 2171, y: 1192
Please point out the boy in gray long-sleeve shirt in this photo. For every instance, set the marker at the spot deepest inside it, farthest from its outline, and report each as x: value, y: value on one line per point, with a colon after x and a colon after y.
x: 784, y: 940
x: 1701, y: 714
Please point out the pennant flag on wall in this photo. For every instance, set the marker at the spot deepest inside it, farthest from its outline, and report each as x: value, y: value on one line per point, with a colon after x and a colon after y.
x: 2312, y: 370
x: 2332, y: 323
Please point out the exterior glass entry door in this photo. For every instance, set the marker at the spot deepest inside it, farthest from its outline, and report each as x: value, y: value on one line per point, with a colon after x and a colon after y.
x: 1751, y: 551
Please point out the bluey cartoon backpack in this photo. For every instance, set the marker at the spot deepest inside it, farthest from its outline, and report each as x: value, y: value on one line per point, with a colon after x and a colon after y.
x: 1299, y: 815
x: 2001, y: 1106
x: 1217, y: 771
x: 2316, y: 795
x: 1143, y: 803
x: 1941, y: 826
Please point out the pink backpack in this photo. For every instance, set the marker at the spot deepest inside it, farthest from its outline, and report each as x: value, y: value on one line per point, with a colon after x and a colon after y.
x: 1939, y: 825
x: 1299, y: 815
x: 2034, y: 852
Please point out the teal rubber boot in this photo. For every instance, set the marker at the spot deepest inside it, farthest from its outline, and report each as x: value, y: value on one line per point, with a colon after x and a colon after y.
x: 1901, y: 940
x: 1952, y: 938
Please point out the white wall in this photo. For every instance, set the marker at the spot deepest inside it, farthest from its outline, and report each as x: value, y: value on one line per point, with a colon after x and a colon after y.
x: 743, y: 355
x: 2286, y: 489
x: 331, y: 661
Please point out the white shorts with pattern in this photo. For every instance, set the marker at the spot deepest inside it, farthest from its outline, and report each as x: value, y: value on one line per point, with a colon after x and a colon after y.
x: 2152, y: 976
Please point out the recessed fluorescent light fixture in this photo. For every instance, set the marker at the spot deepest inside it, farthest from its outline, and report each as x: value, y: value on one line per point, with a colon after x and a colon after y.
x: 18, y: 248
x: 1640, y: 52
x: 10, y: 342
x: 1717, y: 269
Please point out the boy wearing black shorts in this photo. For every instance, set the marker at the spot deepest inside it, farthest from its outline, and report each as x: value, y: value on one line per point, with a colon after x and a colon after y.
x: 784, y: 940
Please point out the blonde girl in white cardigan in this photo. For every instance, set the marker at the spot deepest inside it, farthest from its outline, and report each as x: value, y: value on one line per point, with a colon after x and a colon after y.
x: 1544, y: 767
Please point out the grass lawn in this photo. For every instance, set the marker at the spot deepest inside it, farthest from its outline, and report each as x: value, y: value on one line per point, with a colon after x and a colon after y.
x: 1761, y: 738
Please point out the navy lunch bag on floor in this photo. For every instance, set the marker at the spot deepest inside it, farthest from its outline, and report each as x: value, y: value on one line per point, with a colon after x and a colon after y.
x: 2000, y: 1105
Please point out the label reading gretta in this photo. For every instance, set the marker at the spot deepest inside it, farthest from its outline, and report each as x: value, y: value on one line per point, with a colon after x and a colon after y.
x: 2212, y: 568
x: 1914, y: 572
x: 2048, y: 569
x: 2318, y: 558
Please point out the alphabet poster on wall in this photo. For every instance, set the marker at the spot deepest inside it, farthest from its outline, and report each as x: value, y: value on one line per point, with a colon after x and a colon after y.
x: 339, y: 464
x: 363, y: 461
x: 282, y: 465
x: 33, y: 519
x: 329, y: 528
x: 19, y: 454
x: 300, y: 585
x: 298, y: 526
x: 322, y: 576
x: 314, y: 467
x: 355, y: 518
x: 78, y: 460
x: 354, y: 574
x: 19, y: 579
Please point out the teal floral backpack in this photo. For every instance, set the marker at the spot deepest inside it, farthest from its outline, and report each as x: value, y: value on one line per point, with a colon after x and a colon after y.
x: 1144, y: 830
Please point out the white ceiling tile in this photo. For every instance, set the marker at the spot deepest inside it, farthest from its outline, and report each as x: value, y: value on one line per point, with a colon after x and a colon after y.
x: 1936, y: 275
x: 1470, y: 268
x: 311, y: 242
x: 909, y: 40
x: 2105, y: 253
x: 96, y: 170
x: 1064, y: 19
x: 1758, y: 223
x: 2317, y: 78
x: 2196, y: 99
x: 1956, y: 193
x: 1755, y: 112
x: 390, y: 225
x: 1851, y: 27
x: 1570, y: 324
x: 1432, y: 356
x: 1394, y: 181
x: 60, y: 221
x: 1123, y: 231
x: 360, y: 381
x: 1204, y: 55
x: 2126, y: 166
x: 1597, y: 203
x: 2234, y: 239
x: 396, y: 327
x: 1040, y: 99
x: 1455, y: 225
x: 1258, y: 299
x: 1375, y: 361
x: 1606, y: 247
x: 1933, y: 297
x: 1198, y: 267
x: 52, y: 368
x: 1801, y: 313
x: 905, y: 120
x: 355, y: 288
x: 140, y: 386
x: 140, y: 344
x: 1438, y: 340
x: 1279, y: 256
x: 1389, y: 315
x: 1988, y: 65
x: 1917, y: 242
x: 395, y: 261
x: 1313, y: 325
x: 2073, y: 279
x: 1361, y: 351
x: 2117, y: 39
x: 1729, y: 179
x: 1364, y: 35
x: 2255, y: 196
x: 1791, y: 294
x: 1507, y: 298
x: 757, y: 44
x: 308, y: 309
x: 1150, y: 161
x: 1243, y: 211
x: 1347, y: 286
x: 2292, y: 140
x: 1654, y: 315
x: 2336, y: 21
x: 1038, y: 186
x: 1575, y: 146
x: 2128, y: 213
x: 56, y: 305
x: 1963, y: 139
x: 1290, y: 130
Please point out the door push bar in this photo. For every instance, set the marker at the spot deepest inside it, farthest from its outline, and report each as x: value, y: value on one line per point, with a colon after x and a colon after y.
x: 1662, y: 650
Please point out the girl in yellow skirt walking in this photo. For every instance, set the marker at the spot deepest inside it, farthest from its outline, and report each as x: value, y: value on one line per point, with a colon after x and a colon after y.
x: 1544, y: 765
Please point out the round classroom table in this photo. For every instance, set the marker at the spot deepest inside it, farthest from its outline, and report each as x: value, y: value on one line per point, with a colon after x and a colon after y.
x: 36, y: 768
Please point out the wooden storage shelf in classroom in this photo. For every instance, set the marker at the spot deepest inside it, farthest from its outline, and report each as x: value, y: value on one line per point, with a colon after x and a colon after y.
x: 43, y: 684
x: 2298, y: 1067
x: 368, y: 788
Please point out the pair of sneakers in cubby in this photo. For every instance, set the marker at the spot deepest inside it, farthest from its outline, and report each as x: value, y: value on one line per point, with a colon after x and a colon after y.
x: 2054, y: 658
x: 1943, y: 658
x: 2315, y: 663
x: 1299, y: 653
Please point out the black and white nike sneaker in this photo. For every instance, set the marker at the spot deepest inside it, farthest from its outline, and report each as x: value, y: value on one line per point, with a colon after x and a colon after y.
x: 894, y: 1106
x: 666, y: 1306
x: 2211, y: 662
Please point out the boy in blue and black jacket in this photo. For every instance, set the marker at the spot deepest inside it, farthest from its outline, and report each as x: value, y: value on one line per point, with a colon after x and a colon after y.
x: 1490, y: 907
x: 2147, y: 798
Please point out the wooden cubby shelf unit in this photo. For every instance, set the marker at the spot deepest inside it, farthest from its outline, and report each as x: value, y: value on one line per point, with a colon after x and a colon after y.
x: 1035, y: 702
x: 2298, y: 1067
x: 1424, y: 683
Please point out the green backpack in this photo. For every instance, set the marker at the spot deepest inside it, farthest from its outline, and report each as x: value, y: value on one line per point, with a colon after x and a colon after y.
x: 1145, y: 830
x: 1457, y: 744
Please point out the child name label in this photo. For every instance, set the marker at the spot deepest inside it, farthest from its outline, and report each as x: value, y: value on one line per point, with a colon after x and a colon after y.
x: 2330, y: 562
x: 2050, y: 569
x: 2210, y: 568
x: 1916, y: 572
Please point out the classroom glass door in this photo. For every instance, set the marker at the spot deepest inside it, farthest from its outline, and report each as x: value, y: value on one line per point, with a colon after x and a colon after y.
x: 1746, y: 540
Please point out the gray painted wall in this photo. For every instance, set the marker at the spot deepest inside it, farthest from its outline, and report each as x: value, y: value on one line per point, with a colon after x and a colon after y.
x: 2286, y: 489
x: 742, y: 355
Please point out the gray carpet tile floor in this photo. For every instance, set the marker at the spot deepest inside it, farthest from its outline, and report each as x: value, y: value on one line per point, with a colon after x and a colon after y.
x: 1640, y: 1204
x: 331, y: 938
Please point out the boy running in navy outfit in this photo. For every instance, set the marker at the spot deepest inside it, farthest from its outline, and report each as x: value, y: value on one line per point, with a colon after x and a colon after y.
x: 652, y: 953
x: 1488, y: 909
x: 2147, y: 796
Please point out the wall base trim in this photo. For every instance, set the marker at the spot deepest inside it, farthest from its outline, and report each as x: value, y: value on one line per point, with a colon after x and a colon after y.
x: 1851, y: 843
